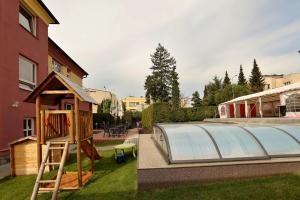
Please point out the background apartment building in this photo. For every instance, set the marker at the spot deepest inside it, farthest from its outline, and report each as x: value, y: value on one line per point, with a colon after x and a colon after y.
x: 275, y: 81
x: 135, y: 103
x: 116, y: 108
x: 186, y: 102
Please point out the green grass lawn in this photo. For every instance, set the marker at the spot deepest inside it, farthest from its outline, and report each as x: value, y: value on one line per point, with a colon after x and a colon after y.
x: 109, y: 143
x: 113, y: 181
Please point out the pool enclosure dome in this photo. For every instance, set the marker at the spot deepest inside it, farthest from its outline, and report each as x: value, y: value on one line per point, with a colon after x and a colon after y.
x: 190, y: 143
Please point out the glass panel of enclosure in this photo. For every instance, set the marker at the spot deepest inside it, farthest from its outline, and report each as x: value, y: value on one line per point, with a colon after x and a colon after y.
x: 160, y: 139
x: 293, y: 103
x: 291, y: 129
x: 234, y: 142
x: 189, y: 142
x: 275, y: 142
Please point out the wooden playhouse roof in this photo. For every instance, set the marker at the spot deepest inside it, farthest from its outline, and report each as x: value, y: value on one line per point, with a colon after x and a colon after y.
x: 23, y: 140
x: 60, y: 84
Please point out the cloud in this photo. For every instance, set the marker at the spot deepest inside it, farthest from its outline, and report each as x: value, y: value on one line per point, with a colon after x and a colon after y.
x: 113, y: 40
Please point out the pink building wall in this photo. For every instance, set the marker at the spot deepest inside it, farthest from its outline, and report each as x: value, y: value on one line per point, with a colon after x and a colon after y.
x: 15, y: 41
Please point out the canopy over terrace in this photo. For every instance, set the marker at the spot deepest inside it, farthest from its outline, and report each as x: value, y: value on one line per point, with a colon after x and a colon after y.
x: 54, y: 122
x: 277, y: 102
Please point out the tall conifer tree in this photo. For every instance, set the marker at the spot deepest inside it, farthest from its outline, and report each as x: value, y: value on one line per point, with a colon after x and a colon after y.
x: 197, y: 102
x: 242, y: 79
x: 175, y: 99
x: 205, y: 91
x: 226, y: 80
x: 256, y: 81
x: 159, y: 84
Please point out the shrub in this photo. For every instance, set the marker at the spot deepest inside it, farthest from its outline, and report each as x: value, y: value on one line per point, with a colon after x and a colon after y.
x: 127, y: 117
x: 163, y: 112
x: 147, y: 117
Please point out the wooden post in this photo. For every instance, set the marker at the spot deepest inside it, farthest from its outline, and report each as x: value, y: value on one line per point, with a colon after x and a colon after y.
x: 93, y: 155
x: 38, y: 130
x: 12, y: 160
x: 92, y: 141
x: 43, y: 127
x: 71, y: 128
x: 78, y: 139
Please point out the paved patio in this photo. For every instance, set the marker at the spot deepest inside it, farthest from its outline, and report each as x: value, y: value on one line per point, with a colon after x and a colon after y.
x: 99, y: 135
x: 4, y: 170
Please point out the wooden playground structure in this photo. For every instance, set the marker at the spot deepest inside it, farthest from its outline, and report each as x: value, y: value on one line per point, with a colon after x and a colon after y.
x: 58, y: 128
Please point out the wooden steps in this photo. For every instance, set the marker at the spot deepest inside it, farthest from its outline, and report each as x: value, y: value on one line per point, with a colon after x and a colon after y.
x: 37, y: 189
x: 52, y: 163
x: 47, y: 181
x: 90, y: 150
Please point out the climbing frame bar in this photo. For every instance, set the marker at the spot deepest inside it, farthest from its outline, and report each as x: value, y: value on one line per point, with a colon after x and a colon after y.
x: 78, y: 140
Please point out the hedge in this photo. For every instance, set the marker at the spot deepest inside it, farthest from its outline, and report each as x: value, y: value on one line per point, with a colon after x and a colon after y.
x: 163, y: 112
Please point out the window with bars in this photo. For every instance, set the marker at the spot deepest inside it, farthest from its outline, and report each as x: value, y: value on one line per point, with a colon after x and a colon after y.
x: 68, y: 106
x: 293, y: 103
x: 28, y: 127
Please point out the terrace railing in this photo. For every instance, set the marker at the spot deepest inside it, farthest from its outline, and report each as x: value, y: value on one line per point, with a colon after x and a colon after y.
x: 61, y: 123
x: 57, y: 123
x: 86, y: 124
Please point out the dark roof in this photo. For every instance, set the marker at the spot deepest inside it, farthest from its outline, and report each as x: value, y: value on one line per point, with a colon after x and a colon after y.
x: 56, y: 81
x: 23, y: 139
x: 273, y: 75
x: 48, y: 12
x: 52, y: 42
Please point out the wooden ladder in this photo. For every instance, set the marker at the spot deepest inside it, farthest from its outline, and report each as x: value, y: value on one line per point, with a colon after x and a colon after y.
x: 44, y: 163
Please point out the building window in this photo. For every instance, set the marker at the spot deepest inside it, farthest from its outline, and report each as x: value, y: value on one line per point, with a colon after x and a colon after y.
x: 293, y: 103
x: 131, y: 104
x: 27, y: 20
x: 28, y: 124
x: 56, y: 66
x: 287, y: 83
x: 68, y: 106
x: 27, y: 74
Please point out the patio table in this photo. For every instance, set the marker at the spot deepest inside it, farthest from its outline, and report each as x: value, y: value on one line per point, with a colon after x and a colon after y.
x: 124, y: 146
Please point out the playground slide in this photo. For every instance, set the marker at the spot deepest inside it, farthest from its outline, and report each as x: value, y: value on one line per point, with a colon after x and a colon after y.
x: 88, y: 149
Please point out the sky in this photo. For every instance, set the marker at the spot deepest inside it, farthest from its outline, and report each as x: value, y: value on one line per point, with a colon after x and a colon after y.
x: 113, y: 39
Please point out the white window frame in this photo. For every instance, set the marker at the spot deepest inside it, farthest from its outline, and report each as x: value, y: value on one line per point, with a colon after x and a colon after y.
x: 22, y: 82
x: 27, y: 129
x: 33, y: 20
